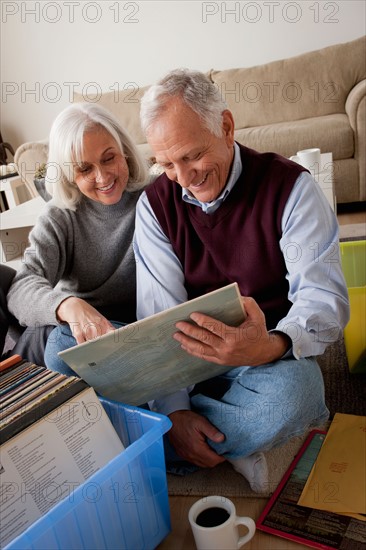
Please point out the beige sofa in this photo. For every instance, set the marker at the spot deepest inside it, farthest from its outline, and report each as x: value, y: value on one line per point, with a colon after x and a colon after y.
x: 317, y: 99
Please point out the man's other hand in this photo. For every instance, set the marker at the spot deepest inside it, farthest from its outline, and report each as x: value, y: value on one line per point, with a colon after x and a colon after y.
x: 189, y: 435
x: 249, y: 344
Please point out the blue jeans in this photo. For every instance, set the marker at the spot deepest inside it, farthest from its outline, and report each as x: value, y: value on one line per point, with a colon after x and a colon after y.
x: 262, y: 407
x: 61, y: 338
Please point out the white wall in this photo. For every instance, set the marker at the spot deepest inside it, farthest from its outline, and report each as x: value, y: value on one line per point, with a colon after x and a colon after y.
x: 49, y: 48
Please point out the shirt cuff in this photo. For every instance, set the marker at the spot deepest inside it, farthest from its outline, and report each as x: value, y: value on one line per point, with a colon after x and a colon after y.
x: 303, y: 344
x: 177, y: 401
x: 289, y: 352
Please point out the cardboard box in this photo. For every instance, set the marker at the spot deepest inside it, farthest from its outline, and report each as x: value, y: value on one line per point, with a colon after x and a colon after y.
x: 353, y: 258
x: 122, y: 506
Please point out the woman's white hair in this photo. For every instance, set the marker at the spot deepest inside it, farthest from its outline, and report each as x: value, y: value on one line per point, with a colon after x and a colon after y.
x: 66, y: 150
x: 195, y: 89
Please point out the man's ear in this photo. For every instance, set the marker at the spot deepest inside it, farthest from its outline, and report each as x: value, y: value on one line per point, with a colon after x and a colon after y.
x: 228, y: 127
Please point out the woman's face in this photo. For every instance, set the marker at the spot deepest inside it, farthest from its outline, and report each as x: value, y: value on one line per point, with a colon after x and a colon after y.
x: 102, y: 174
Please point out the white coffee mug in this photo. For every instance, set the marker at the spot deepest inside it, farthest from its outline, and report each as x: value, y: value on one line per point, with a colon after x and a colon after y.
x: 214, y: 524
x: 308, y: 158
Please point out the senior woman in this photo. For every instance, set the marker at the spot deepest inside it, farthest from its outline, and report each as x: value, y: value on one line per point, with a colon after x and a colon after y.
x: 79, y: 271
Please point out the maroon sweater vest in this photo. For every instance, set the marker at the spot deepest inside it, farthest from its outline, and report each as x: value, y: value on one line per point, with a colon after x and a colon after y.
x: 240, y: 241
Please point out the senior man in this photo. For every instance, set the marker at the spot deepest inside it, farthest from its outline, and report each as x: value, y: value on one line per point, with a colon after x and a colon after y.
x: 220, y: 213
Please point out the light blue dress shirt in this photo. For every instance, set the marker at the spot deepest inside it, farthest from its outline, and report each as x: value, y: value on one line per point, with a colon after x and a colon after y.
x: 309, y: 243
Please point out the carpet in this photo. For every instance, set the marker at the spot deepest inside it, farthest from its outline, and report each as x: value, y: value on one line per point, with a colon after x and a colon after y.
x: 344, y: 392
x: 223, y: 480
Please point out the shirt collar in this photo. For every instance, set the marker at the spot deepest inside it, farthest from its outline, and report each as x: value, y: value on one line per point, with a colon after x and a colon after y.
x: 212, y: 206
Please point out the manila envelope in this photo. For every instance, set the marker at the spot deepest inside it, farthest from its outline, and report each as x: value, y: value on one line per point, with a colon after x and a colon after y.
x: 337, y: 481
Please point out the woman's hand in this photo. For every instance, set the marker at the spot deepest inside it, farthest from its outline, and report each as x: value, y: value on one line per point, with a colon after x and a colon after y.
x: 85, y: 321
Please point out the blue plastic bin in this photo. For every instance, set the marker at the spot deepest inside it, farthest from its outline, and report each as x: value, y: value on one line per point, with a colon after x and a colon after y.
x: 122, y: 506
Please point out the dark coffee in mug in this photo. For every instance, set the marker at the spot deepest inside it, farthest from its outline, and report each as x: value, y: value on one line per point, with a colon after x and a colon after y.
x: 212, y: 517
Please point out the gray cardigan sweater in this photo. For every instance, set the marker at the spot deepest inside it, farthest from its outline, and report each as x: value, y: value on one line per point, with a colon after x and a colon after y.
x: 85, y: 253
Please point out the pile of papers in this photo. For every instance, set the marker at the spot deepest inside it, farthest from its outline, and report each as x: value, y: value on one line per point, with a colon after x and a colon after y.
x: 337, y: 482
x: 321, y: 500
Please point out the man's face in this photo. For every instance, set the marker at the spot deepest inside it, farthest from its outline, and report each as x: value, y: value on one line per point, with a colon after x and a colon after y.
x: 189, y: 154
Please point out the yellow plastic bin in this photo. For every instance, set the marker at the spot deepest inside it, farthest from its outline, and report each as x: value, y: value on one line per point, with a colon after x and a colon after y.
x: 353, y: 258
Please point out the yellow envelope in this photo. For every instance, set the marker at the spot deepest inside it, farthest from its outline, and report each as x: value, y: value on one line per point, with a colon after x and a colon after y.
x: 337, y: 481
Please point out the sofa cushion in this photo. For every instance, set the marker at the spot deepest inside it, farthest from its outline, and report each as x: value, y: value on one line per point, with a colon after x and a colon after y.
x: 124, y: 104
x: 330, y: 133
x: 309, y: 85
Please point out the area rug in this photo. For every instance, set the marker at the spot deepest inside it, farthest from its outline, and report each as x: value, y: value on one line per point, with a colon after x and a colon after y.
x: 344, y: 392
x: 223, y: 480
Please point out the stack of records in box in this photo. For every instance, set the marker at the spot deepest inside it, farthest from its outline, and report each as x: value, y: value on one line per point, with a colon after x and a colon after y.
x: 29, y: 392
x: 54, y: 435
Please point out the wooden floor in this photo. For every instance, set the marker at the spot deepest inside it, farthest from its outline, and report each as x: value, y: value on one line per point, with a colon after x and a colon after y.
x: 181, y: 537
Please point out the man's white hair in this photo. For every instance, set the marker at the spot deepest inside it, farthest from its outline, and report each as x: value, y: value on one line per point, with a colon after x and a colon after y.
x: 195, y: 89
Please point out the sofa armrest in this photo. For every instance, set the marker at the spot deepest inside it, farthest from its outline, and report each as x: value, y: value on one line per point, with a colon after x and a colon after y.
x: 356, y: 111
x: 28, y: 157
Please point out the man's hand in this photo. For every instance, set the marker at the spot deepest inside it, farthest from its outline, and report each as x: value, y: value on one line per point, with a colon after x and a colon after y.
x: 188, y: 436
x: 85, y: 321
x: 250, y: 344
